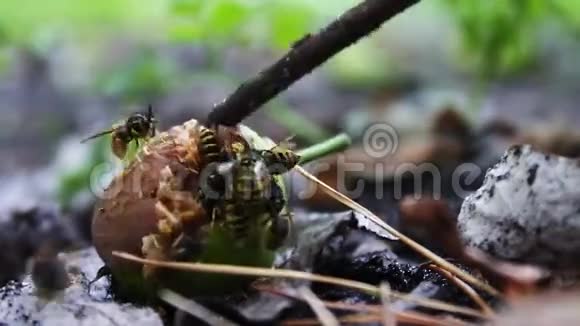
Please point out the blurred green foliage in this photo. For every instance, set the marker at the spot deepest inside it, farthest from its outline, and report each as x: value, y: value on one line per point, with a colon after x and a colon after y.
x: 568, y: 12
x: 364, y: 66
x: 24, y: 20
x: 501, y: 37
x: 141, y: 78
x: 278, y: 23
x: 75, y: 182
x: 275, y: 24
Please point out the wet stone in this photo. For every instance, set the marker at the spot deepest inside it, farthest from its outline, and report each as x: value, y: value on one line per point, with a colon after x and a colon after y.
x: 527, y: 210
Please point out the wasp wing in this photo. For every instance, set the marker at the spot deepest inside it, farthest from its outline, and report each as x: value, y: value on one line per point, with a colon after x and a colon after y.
x: 102, y: 133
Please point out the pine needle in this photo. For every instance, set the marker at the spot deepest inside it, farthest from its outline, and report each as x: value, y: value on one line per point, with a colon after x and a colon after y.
x: 469, y: 291
x: 193, y: 308
x: 348, y: 202
x: 374, y: 319
x: 292, y: 274
x: 324, y: 315
x: 372, y: 311
x: 388, y: 315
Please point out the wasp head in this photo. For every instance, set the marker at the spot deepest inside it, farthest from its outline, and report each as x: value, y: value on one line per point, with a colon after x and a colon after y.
x: 141, y: 125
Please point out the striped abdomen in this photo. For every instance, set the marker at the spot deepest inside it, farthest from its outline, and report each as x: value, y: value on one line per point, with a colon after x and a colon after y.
x: 250, y: 180
x: 279, y: 159
x: 209, y: 147
x: 237, y: 223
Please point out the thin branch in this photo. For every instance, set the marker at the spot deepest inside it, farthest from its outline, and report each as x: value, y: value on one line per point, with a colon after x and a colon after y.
x: 305, y: 55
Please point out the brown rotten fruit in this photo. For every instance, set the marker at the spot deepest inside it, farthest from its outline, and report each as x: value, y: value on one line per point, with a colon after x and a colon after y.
x: 153, y: 210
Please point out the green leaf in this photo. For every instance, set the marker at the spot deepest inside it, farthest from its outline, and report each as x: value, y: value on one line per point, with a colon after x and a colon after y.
x: 147, y: 75
x: 500, y: 35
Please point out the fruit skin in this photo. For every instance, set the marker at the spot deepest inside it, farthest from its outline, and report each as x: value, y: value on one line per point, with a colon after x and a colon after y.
x: 120, y: 222
x: 126, y: 214
x: 219, y: 249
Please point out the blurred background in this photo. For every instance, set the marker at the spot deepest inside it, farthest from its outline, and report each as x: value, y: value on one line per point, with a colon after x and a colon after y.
x: 488, y: 73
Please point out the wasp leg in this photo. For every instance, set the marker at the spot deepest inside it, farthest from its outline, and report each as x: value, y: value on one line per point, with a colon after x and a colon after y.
x: 102, y: 272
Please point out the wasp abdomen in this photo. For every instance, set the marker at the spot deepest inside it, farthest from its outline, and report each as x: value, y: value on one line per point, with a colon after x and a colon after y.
x: 280, y: 160
x: 235, y: 222
x: 209, y: 148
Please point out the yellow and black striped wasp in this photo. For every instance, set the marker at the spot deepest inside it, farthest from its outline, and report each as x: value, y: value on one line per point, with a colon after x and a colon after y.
x: 239, y: 191
x: 280, y: 159
x: 252, y: 200
x: 137, y: 126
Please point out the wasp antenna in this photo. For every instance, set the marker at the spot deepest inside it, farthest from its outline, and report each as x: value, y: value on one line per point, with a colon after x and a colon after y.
x: 150, y: 112
x: 289, y: 138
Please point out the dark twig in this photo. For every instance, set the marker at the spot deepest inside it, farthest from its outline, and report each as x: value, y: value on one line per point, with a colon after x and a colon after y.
x: 304, y: 56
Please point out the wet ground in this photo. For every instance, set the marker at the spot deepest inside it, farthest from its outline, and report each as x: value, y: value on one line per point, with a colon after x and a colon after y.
x: 37, y: 114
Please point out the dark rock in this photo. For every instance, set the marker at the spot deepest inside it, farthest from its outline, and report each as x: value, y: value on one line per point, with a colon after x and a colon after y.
x: 341, y: 257
x: 22, y: 233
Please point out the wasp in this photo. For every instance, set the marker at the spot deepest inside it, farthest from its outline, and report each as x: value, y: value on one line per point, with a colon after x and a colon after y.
x: 213, y: 184
x: 280, y: 159
x: 251, y: 201
x: 137, y: 126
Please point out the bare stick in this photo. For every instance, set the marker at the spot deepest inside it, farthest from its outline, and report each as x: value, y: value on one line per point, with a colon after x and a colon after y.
x: 305, y: 55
